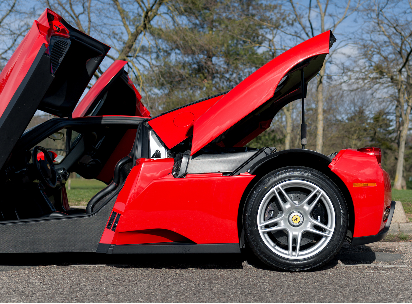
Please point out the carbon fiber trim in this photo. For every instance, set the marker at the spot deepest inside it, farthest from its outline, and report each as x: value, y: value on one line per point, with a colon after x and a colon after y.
x: 177, y: 248
x: 64, y: 234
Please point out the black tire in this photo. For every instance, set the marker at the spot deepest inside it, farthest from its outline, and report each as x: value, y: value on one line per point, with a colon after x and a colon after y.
x: 285, y: 203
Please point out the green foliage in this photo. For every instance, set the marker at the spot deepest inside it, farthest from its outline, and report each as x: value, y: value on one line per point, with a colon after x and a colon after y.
x: 269, y: 138
x: 354, y: 129
x: 381, y: 134
x: 381, y: 131
x: 360, y: 129
x: 208, y: 48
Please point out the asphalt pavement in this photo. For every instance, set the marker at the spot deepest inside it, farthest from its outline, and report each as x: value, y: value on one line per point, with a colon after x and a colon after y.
x: 380, y: 272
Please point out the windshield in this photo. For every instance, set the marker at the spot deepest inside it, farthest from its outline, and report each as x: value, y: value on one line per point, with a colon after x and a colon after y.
x: 60, y: 142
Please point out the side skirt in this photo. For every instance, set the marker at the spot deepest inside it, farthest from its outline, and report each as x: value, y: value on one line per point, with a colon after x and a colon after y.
x: 177, y: 248
x: 64, y: 234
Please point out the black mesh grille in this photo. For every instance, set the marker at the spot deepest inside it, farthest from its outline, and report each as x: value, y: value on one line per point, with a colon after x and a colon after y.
x: 58, y: 49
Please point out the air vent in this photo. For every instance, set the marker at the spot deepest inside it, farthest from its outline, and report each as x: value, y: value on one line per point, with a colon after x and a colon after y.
x: 58, y: 49
x: 113, y: 221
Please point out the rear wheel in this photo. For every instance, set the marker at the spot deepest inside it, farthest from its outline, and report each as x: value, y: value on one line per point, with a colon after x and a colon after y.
x: 295, y: 219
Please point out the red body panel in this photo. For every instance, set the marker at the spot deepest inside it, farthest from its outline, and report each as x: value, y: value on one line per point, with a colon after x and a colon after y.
x: 357, y: 168
x: 100, y: 84
x: 176, y: 126
x: 252, y: 92
x: 262, y: 127
x: 20, y: 62
x: 123, y: 149
x: 202, y: 208
x: 141, y: 175
x: 141, y: 110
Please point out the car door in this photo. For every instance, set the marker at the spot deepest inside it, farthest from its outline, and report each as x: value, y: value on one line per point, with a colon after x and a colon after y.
x: 113, y: 94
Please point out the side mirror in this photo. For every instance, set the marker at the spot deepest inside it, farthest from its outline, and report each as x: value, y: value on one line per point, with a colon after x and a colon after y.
x: 57, y: 136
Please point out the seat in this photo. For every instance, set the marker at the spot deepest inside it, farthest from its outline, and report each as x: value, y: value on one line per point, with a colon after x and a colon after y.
x: 121, y: 172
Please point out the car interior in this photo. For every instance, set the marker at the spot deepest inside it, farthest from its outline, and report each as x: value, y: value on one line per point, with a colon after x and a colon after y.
x: 34, y: 179
x: 35, y: 176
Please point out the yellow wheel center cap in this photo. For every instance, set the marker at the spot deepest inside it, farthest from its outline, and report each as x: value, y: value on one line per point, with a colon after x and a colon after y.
x: 295, y: 219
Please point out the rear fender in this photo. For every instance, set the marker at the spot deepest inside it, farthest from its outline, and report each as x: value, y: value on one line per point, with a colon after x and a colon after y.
x: 288, y: 158
x: 369, y: 187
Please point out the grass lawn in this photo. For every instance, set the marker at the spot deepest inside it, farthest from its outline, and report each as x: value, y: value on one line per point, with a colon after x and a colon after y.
x: 405, y: 196
x: 82, y: 190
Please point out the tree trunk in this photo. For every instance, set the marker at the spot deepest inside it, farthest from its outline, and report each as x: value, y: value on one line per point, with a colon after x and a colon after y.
x: 319, y: 95
x: 401, y: 153
x: 288, y: 115
x: 398, y: 123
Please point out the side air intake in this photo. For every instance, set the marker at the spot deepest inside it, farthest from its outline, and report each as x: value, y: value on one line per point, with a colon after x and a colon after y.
x: 113, y: 221
x: 58, y: 49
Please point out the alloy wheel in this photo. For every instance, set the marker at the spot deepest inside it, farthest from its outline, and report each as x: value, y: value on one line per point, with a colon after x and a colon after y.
x: 296, y: 219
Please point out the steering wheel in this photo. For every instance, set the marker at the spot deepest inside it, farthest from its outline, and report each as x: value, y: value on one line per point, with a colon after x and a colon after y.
x: 45, y: 167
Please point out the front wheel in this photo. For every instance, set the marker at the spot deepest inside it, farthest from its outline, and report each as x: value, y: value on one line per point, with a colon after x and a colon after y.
x: 295, y: 219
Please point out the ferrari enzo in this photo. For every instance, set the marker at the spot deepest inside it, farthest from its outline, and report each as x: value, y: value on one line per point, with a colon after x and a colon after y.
x: 180, y: 182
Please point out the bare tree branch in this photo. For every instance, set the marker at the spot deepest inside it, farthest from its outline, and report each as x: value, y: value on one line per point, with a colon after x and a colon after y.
x: 298, y: 18
x: 141, y: 5
x: 147, y: 17
x: 406, y: 61
x: 63, y: 7
x: 344, y: 14
x: 322, y: 15
x: 122, y: 14
x: 8, y: 12
x: 310, y: 21
x: 89, y: 18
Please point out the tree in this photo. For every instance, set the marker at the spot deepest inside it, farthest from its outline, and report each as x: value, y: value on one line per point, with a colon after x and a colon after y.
x: 207, y: 47
x: 386, y: 53
x: 274, y: 21
x: 311, y: 21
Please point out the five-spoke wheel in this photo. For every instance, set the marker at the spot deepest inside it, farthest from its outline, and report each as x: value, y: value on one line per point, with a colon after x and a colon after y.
x: 295, y: 218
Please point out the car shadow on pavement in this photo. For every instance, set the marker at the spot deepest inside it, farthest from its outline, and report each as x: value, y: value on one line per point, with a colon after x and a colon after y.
x: 172, y: 261
x: 353, y: 255
x: 347, y: 256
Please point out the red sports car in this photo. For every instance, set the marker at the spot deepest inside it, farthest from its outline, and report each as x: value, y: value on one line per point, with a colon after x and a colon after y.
x: 181, y: 182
